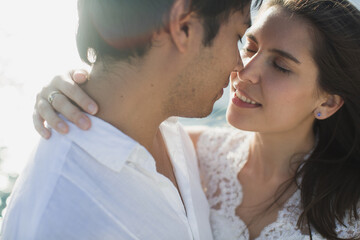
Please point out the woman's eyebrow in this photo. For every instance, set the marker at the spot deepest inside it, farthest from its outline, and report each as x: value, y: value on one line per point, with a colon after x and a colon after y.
x: 278, y: 51
x: 285, y: 54
x: 252, y: 37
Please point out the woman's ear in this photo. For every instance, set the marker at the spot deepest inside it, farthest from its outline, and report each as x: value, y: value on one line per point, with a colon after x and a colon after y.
x: 330, y: 106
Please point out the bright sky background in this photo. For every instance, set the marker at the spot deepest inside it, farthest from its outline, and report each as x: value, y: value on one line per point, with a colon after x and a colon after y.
x: 37, y: 41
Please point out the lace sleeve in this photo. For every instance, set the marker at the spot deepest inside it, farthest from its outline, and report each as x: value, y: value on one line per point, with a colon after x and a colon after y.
x: 215, y: 149
x: 222, y: 152
x: 351, y: 228
x: 209, y: 147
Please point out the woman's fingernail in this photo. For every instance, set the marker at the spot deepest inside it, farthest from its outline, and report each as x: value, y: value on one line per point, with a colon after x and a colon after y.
x: 45, y: 134
x: 92, y: 108
x: 62, y: 127
x: 83, y: 123
x: 80, y: 77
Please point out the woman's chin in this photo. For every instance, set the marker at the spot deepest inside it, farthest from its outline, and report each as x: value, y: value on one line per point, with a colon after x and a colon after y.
x: 239, y: 121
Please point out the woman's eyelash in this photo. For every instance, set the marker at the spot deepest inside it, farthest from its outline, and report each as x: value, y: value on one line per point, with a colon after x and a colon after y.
x: 248, y: 50
x: 277, y: 67
x: 280, y: 68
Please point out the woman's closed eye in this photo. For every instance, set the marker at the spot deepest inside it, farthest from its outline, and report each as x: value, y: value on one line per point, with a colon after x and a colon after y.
x: 248, y: 50
x: 280, y: 67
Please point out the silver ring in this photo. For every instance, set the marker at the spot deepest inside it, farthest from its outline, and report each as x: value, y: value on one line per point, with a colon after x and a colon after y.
x: 51, y: 96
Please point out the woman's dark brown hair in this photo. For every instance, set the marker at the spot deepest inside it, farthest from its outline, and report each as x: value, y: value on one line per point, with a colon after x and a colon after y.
x: 330, y: 179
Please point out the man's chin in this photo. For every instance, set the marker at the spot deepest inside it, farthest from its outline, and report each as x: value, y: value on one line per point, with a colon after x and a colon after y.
x: 197, y: 111
x: 203, y: 112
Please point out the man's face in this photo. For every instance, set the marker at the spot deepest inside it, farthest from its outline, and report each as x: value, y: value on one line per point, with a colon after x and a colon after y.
x: 207, y: 73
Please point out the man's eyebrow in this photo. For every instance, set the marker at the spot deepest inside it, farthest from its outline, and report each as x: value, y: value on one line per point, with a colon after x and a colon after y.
x: 286, y: 55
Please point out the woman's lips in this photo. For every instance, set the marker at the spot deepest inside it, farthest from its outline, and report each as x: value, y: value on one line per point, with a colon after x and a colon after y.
x: 241, y: 100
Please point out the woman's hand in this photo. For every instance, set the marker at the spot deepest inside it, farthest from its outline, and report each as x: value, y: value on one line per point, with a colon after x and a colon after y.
x: 57, y: 96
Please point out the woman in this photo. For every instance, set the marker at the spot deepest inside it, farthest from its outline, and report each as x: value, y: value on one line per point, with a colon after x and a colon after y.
x: 295, y: 173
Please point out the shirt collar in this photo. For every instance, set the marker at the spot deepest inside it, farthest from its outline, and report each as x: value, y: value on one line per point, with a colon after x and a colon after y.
x: 171, y: 130
x: 109, y: 145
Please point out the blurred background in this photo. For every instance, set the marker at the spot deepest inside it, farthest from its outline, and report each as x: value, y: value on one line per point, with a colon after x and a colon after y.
x: 37, y: 41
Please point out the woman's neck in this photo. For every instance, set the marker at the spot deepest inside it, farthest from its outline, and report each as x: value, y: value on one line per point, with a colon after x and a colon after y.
x: 272, y: 155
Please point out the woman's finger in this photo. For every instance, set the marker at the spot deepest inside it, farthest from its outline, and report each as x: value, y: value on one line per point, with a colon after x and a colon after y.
x: 45, y: 111
x: 75, y: 115
x: 74, y: 92
x: 39, y: 125
x: 80, y: 76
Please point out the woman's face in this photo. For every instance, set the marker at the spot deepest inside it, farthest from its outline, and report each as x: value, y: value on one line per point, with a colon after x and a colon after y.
x: 276, y: 91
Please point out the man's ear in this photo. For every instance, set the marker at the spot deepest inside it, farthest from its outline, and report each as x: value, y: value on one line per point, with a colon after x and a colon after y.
x: 331, y: 105
x: 179, y: 22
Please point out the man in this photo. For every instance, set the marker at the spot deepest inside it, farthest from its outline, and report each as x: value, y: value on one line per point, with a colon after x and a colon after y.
x: 133, y: 175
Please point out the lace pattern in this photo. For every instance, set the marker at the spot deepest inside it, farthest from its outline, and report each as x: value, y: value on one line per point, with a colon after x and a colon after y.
x: 222, y: 153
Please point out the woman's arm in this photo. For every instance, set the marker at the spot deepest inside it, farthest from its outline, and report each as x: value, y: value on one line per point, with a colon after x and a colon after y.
x: 60, y: 95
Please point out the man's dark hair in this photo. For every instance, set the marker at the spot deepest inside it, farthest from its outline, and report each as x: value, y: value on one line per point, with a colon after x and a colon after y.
x: 216, y: 12
x: 123, y: 28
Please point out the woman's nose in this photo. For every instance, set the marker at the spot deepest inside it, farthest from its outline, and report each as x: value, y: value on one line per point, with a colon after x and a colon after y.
x: 251, y: 70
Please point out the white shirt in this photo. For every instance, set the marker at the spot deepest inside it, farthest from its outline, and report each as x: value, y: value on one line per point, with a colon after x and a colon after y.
x: 101, y: 184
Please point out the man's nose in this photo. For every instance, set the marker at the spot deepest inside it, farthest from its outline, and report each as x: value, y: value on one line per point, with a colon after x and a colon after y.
x: 239, y: 63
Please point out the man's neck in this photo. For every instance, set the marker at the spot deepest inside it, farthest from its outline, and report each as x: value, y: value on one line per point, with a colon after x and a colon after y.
x: 127, y: 103
x: 134, y: 105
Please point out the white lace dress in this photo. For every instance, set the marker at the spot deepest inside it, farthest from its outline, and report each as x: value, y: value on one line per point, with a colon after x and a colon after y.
x: 222, y: 152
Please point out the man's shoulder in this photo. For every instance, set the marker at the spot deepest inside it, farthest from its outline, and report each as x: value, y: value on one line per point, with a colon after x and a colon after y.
x: 58, y: 176
x: 33, y: 188
x: 103, y: 142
